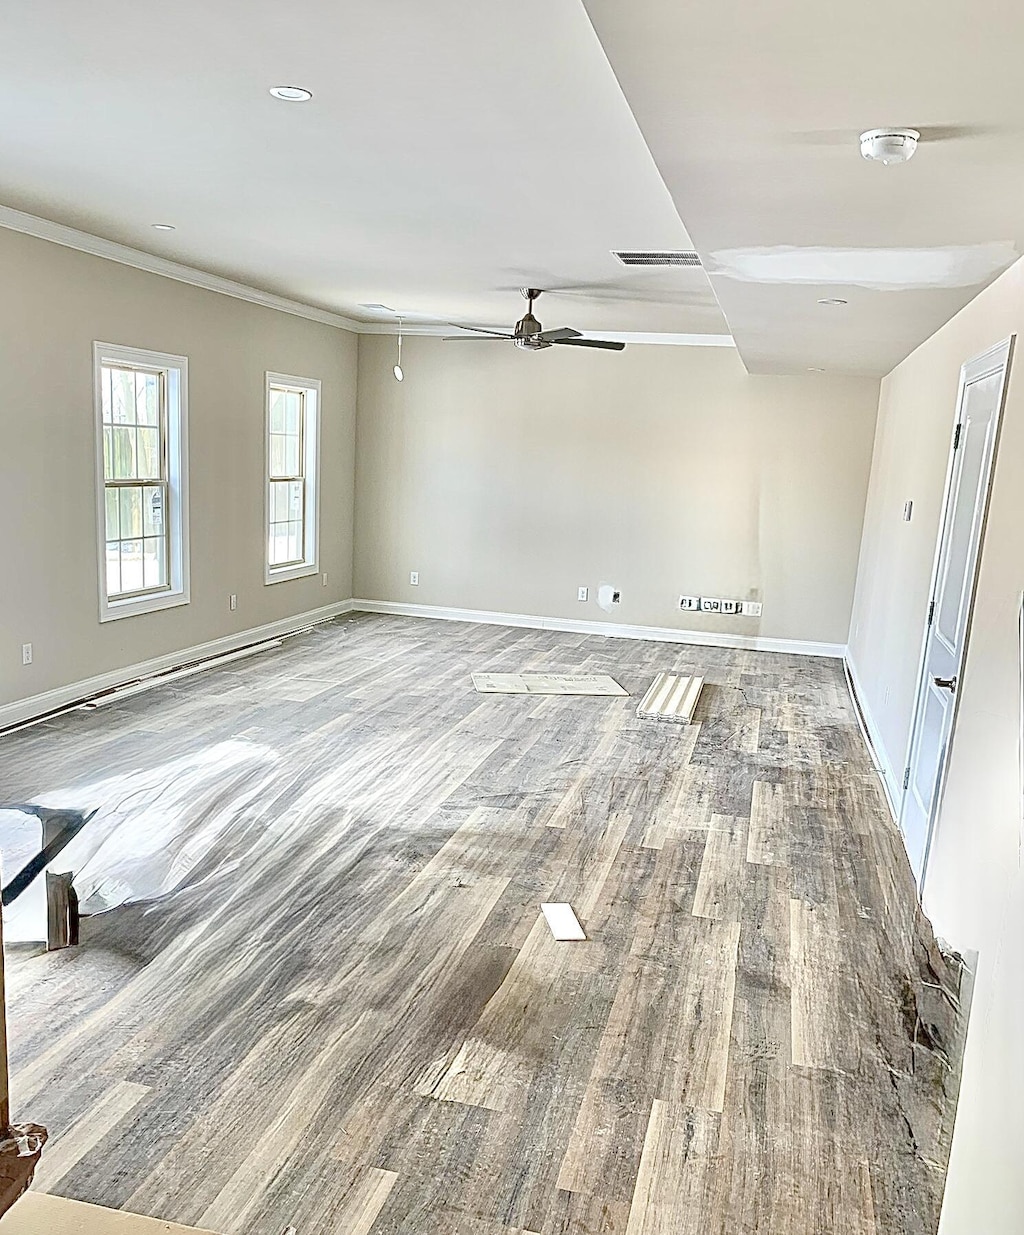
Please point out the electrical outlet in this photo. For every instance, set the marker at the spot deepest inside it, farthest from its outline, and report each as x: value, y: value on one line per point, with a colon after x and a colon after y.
x: 708, y: 604
x: 730, y: 606
x: 26, y: 653
x: 583, y: 593
x: 689, y: 603
x: 414, y: 577
x: 751, y: 608
x: 232, y: 602
x: 323, y: 579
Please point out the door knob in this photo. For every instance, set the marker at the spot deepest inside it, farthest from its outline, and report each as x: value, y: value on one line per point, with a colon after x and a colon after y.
x: 946, y: 683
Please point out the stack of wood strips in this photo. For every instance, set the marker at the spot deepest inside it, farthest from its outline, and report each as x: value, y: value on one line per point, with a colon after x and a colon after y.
x: 671, y: 697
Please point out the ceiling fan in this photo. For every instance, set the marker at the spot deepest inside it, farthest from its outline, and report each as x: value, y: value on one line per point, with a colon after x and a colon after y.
x: 530, y: 334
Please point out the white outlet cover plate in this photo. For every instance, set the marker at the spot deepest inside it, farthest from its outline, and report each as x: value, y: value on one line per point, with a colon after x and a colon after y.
x: 582, y: 593
x: 751, y: 608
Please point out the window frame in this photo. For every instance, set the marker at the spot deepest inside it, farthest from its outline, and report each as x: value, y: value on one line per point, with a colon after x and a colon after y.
x: 174, y: 379
x: 309, y: 436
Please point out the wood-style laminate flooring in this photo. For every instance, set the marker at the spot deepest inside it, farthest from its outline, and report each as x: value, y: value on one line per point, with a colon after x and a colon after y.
x: 349, y: 1016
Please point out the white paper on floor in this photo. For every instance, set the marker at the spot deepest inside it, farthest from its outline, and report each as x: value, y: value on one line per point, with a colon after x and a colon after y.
x: 563, y: 921
x: 671, y: 697
x: 547, y: 684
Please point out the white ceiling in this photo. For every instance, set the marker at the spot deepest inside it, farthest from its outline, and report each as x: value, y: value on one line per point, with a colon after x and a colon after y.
x: 752, y: 113
x: 457, y: 150
x: 453, y: 152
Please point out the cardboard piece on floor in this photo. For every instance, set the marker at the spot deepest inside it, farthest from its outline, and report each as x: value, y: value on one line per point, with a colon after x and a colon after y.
x: 563, y: 921
x: 671, y: 697
x: 546, y: 684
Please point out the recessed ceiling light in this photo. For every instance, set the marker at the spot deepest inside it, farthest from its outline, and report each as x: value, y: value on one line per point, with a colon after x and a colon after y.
x: 291, y: 94
x: 832, y: 301
x: 164, y: 227
x: 377, y: 308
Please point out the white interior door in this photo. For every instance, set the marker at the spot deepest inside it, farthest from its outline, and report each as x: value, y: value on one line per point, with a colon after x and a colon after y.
x: 980, y: 401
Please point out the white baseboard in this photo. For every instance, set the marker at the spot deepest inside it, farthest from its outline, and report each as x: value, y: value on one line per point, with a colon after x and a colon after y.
x: 76, y: 692
x: 659, y: 634
x: 890, y: 782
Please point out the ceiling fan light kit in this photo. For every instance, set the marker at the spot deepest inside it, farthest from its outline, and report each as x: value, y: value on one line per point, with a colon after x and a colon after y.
x: 530, y: 334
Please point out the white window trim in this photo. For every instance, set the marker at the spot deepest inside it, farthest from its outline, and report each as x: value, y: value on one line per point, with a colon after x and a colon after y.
x: 176, y: 368
x: 310, y: 564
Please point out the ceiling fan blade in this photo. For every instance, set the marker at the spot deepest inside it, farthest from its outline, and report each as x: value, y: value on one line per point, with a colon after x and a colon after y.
x: 554, y: 336
x: 478, y: 338
x: 480, y: 330
x: 607, y: 344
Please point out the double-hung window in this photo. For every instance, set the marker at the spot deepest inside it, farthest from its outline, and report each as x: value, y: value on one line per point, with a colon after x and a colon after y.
x: 141, y: 462
x: 292, y: 472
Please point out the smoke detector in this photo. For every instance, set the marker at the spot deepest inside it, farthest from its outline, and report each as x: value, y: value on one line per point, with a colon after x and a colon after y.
x: 889, y: 145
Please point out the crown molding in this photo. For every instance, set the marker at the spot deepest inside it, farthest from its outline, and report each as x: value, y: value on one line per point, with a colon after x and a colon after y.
x: 85, y: 242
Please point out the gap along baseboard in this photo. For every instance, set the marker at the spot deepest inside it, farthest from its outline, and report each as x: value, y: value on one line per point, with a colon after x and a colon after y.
x: 873, y: 740
x: 62, y: 697
x: 658, y: 634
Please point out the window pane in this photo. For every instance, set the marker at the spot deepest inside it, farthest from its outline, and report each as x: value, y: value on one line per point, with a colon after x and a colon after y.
x: 131, y: 512
x: 292, y: 411
x: 149, y: 462
x: 147, y: 398
x: 277, y: 455
x: 153, y: 557
x: 295, y: 499
x: 113, y: 569
x: 131, y: 566
x: 122, y: 464
x: 278, y: 501
x: 153, y: 511
x: 294, y: 541
x: 113, y: 505
x: 105, y: 394
x: 123, y: 396
x: 276, y: 410
x: 278, y: 548
x: 291, y: 456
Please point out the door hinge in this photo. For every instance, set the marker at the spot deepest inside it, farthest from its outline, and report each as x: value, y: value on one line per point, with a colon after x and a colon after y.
x: 906, y: 779
x: 956, y: 436
x: 931, y: 612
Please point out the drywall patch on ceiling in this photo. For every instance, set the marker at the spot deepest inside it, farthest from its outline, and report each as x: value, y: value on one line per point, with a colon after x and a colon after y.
x: 876, y: 269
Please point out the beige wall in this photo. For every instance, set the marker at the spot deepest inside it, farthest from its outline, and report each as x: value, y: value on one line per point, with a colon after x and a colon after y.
x: 54, y: 303
x: 509, y: 478
x: 973, y: 890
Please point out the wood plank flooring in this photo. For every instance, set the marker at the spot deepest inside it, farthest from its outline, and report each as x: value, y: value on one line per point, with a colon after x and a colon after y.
x: 345, y: 1013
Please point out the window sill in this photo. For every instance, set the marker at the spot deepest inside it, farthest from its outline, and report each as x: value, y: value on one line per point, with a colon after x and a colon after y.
x: 302, y: 571
x: 111, y: 610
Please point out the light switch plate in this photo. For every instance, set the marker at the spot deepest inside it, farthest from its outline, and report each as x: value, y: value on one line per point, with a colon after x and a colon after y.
x: 730, y: 606
x: 709, y: 604
x: 689, y: 603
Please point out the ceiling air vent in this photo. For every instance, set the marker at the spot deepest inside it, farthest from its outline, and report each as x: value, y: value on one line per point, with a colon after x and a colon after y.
x: 656, y: 257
